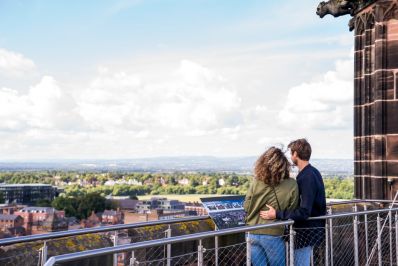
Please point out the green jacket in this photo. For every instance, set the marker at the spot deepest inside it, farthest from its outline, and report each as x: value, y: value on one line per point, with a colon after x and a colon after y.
x: 260, y: 194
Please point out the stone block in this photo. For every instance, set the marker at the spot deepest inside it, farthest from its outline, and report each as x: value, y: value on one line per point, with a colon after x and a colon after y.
x: 365, y: 150
x: 369, y: 62
x: 357, y: 168
x: 358, y: 193
x: 392, y: 56
x: 378, y: 168
x: 391, y: 117
x: 358, y: 42
x: 371, y: 89
x: 392, y: 148
x: 357, y: 121
x: 367, y: 186
x: 380, y: 55
x: 379, y: 113
x: 358, y: 62
x: 380, y: 31
x: 369, y: 37
x: 378, y: 188
x: 396, y: 84
x: 357, y: 90
x: 357, y: 149
x: 383, y: 84
x: 371, y: 122
x: 392, y: 30
x: 392, y: 168
x: 378, y: 147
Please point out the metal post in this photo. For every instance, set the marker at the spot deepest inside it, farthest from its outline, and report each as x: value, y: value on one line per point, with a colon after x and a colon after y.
x: 44, y: 253
x: 390, y: 232
x: 216, y: 249
x: 327, y: 243
x: 200, y: 253
x: 132, y: 260
x: 291, y: 243
x: 379, y: 239
x: 115, y: 244
x: 356, y: 245
x: 168, y: 251
x: 248, y: 250
x: 365, y: 208
x: 396, y: 237
x: 331, y: 237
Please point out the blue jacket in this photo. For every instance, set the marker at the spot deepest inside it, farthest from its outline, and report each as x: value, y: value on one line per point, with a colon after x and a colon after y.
x: 312, y: 204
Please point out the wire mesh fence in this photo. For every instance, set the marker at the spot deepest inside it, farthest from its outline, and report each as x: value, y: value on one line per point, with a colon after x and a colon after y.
x: 363, y: 239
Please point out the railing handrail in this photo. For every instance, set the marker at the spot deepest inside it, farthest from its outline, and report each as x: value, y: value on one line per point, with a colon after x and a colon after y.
x: 159, y: 242
x: 102, y: 229
x: 345, y: 214
x: 331, y: 203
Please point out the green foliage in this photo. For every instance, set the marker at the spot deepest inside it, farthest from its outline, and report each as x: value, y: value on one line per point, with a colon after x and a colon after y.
x: 77, y: 185
x: 81, y: 206
x: 43, y: 203
x: 339, y: 188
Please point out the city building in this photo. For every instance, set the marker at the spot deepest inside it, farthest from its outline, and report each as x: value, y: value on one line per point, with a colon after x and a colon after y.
x: 184, y: 182
x: 154, y: 203
x: 123, y: 202
x: 112, y: 217
x: 10, y: 208
x: 10, y: 221
x: 154, y: 215
x: 93, y: 220
x: 195, y: 208
x: 27, y: 193
x: 35, y: 217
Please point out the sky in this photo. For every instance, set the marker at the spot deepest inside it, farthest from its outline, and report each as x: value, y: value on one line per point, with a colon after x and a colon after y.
x: 148, y: 78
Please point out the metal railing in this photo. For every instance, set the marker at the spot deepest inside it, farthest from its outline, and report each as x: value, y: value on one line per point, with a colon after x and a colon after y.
x: 366, y: 220
x: 350, y: 238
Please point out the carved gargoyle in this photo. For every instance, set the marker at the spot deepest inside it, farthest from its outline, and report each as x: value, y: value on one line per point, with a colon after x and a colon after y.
x: 336, y: 8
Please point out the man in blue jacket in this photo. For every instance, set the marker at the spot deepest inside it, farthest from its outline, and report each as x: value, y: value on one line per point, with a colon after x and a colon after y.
x: 310, y: 233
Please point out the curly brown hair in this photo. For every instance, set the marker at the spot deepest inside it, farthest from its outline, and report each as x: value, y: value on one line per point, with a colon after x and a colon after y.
x: 272, y: 167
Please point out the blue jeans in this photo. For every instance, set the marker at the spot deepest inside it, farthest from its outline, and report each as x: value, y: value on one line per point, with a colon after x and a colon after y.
x: 302, y: 256
x: 267, y: 250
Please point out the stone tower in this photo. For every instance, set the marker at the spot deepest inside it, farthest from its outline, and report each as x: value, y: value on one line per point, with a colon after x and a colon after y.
x: 375, y: 27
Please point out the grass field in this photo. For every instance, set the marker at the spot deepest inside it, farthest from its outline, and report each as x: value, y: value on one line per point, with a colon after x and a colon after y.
x: 183, y: 198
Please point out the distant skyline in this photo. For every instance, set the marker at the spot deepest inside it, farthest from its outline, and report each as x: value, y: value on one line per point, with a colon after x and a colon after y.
x: 150, y: 78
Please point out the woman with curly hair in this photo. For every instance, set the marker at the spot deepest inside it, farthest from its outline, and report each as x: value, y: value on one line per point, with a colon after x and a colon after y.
x: 271, y: 186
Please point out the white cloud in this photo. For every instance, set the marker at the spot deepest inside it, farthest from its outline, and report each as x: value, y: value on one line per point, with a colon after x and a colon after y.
x: 321, y: 104
x: 14, y: 64
x: 182, y: 108
x: 190, y: 98
x: 45, y: 106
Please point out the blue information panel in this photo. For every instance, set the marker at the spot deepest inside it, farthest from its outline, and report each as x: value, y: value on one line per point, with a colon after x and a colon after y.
x: 226, y: 211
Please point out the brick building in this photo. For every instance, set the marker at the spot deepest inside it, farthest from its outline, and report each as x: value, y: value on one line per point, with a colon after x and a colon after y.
x: 112, y: 217
x: 34, y: 217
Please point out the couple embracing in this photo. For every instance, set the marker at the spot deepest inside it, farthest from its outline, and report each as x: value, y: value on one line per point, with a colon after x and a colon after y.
x: 274, y: 195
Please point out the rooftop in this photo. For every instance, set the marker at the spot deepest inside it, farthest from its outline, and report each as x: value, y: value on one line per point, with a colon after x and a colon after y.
x: 25, y: 185
x: 8, y: 217
x: 38, y: 209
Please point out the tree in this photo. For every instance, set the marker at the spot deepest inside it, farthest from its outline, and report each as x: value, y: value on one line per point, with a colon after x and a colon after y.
x: 43, y: 203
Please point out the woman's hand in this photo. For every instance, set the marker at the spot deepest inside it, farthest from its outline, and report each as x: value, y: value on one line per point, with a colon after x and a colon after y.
x: 268, y: 215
